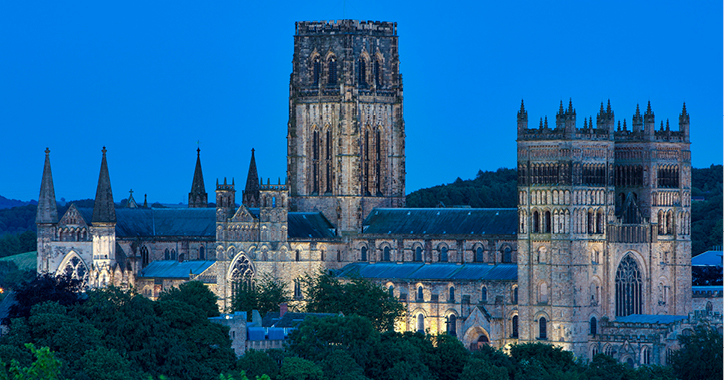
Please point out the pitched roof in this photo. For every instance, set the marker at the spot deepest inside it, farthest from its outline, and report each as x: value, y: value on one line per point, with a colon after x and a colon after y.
x: 649, y: 318
x: 709, y: 258
x: 152, y: 222
x: 306, y: 225
x: 289, y: 319
x: 437, y: 271
x: 175, y: 269
x: 104, y: 211
x: 437, y: 221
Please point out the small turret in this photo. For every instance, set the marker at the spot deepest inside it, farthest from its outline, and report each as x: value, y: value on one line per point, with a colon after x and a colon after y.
x: 649, y: 122
x: 225, y: 202
x: 560, y: 116
x: 605, y: 118
x: 523, y: 119
x: 685, y: 123
x: 250, y: 198
x: 198, y: 198
x: 47, y: 208
x: 637, y: 121
x: 570, y: 120
x: 131, y: 203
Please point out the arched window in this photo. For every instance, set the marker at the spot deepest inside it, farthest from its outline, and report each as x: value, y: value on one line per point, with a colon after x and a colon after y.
x: 515, y: 326
x: 361, y: 74
x: 479, y: 255
x: 506, y: 254
x: 452, y: 324
x: 590, y: 222
x: 297, y: 255
x: 338, y: 256
x: 708, y: 307
x: 418, y: 254
x: 167, y: 255
x: 421, y: 323
x: 600, y: 222
x: 315, y: 162
x: 609, y: 350
x: 377, y: 73
x: 274, y: 202
x: 420, y: 294
x: 390, y: 290
x: 76, y: 269
x: 452, y: 294
x: 364, y: 254
x: 144, y: 256
x: 484, y: 294
x: 646, y: 356
x: 332, y: 71
x: 316, y: 71
x: 670, y: 222
x: 543, y: 293
x: 173, y: 254
x: 547, y: 222
x: 322, y: 255
x: 542, y: 328
x: 202, y: 255
x: 297, y: 289
x: 516, y: 295
x: 628, y: 287
x: 181, y: 257
x: 444, y: 255
x: 535, y: 220
x: 242, y: 274
x: 593, y: 326
x: 386, y: 254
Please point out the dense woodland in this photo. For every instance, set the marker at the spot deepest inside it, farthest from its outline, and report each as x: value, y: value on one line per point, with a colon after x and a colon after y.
x: 59, y: 332
x: 495, y: 189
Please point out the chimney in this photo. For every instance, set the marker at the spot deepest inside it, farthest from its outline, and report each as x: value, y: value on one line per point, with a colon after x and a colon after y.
x: 282, y: 309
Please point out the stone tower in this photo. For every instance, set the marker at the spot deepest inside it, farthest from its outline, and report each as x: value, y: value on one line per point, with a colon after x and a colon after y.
x: 346, y: 135
x: 103, y: 229
x: 198, y: 196
x: 46, y: 217
x: 587, y: 238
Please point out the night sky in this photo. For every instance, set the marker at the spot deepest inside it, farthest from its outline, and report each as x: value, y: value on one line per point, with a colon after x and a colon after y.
x: 150, y: 79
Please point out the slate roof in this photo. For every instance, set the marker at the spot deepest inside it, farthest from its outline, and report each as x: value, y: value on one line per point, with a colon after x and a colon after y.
x: 650, y: 318
x: 175, y: 269
x: 163, y: 222
x: 440, y: 221
x: 289, y: 319
x: 709, y: 258
x: 437, y: 271
x: 309, y: 225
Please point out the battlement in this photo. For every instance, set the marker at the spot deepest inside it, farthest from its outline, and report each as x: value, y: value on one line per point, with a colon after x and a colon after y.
x: 225, y: 186
x: 272, y: 187
x: 374, y: 28
x: 642, y: 127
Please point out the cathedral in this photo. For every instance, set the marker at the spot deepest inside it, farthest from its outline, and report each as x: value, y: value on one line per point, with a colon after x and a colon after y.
x: 595, y: 258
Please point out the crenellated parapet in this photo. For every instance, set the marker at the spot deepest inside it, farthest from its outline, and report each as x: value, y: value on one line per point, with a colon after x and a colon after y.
x: 375, y: 28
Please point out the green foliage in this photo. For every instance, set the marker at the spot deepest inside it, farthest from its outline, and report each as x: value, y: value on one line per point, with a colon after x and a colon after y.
x: 265, y: 296
x: 700, y: 356
x: 258, y: 363
x: 707, y: 226
x: 707, y: 275
x: 14, y: 243
x: 122, y: 335
x: 195, y: 294
x: 17, y: 219
x: 299, y: 369
x: 543, y: 361
x: 477, y: 369
x: 401, y: 356
x: 339, y: 365
x: 45, y: 366
x: 47, y: 287
x: 326, y: 294
x: 451, y: 357
x: 488, y: 190
x: 11, y: 276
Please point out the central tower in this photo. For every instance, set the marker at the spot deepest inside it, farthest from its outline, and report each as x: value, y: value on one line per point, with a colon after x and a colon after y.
x: 346, y: 135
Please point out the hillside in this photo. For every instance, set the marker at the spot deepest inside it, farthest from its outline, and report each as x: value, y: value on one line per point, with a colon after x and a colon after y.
x: 498, y: 189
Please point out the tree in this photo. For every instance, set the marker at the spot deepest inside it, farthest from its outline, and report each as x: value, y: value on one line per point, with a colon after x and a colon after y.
x: 257, y: 363
x: 299, y: 369
x: 196, y: 294
x: 326, y: 294
x: 45, y: 366
x: 700, y: 355
x: 47, y: 287
x: 477, y: 369
x: 265, y: 296
x: 451, y: 357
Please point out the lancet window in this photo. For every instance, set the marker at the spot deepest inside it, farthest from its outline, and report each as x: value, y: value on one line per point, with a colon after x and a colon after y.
x: 628, y: 284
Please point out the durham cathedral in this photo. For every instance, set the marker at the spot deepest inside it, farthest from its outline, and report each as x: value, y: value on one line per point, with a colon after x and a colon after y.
x: 595, y: 258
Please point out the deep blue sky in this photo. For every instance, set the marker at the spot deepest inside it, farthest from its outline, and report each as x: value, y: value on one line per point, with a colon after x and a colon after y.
x: 150, y: 79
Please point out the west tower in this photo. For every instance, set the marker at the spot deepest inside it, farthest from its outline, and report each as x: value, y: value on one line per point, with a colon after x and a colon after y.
x: 603, y: 224
x: 346, y: 135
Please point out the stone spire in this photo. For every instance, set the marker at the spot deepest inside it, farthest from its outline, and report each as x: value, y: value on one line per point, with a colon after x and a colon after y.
x: 251, y: 191
x: 198, y: 196
x: 47, y: 208
x: 131, y: 203
x: 522, y: 118
x: 104, y: 211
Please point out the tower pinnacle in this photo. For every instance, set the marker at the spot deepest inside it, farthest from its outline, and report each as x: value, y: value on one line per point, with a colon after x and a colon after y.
x: 47, y: 208
x: 250, y: 198
x: 104, y: 210
x: 198, y: 196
